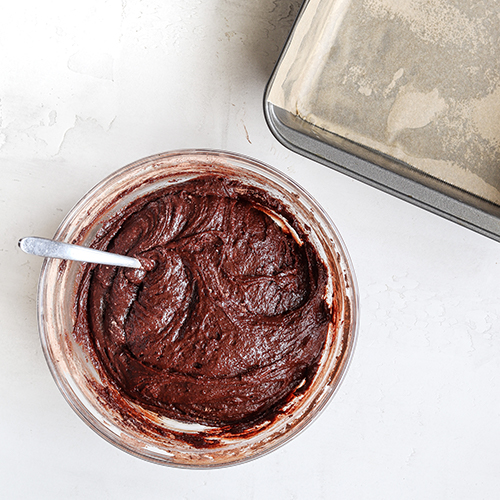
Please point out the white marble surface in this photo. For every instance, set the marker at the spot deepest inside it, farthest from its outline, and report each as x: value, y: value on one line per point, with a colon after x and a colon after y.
x: 87, y: 87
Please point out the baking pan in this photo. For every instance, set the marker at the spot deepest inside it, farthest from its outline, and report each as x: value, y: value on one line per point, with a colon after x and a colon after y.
x: 404, y: 96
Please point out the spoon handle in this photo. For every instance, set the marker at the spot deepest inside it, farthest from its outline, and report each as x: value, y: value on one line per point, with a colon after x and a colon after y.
x: 56, y: 249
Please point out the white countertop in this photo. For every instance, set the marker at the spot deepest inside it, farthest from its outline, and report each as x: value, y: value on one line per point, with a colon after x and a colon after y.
x: 87, y: 87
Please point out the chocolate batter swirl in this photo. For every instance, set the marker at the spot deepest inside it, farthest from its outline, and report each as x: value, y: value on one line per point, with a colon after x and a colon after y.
x: 229, y: 317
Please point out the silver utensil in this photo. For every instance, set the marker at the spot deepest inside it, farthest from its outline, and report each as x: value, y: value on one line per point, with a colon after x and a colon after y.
x: 49, y: 248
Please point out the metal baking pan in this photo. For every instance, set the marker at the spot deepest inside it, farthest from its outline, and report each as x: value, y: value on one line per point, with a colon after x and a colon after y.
x: 404, y: 96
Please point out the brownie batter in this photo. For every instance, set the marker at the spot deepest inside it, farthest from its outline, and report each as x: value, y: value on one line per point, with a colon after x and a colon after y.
x: 227, y: 320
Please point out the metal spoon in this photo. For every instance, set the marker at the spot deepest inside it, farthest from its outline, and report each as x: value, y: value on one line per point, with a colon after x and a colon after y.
x: 56, y: 249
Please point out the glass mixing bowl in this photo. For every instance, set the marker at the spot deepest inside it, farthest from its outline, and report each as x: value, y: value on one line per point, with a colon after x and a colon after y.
x: 142, y: 432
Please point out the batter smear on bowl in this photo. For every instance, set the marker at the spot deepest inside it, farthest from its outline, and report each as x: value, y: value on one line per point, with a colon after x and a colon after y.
x: 228, y: 319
